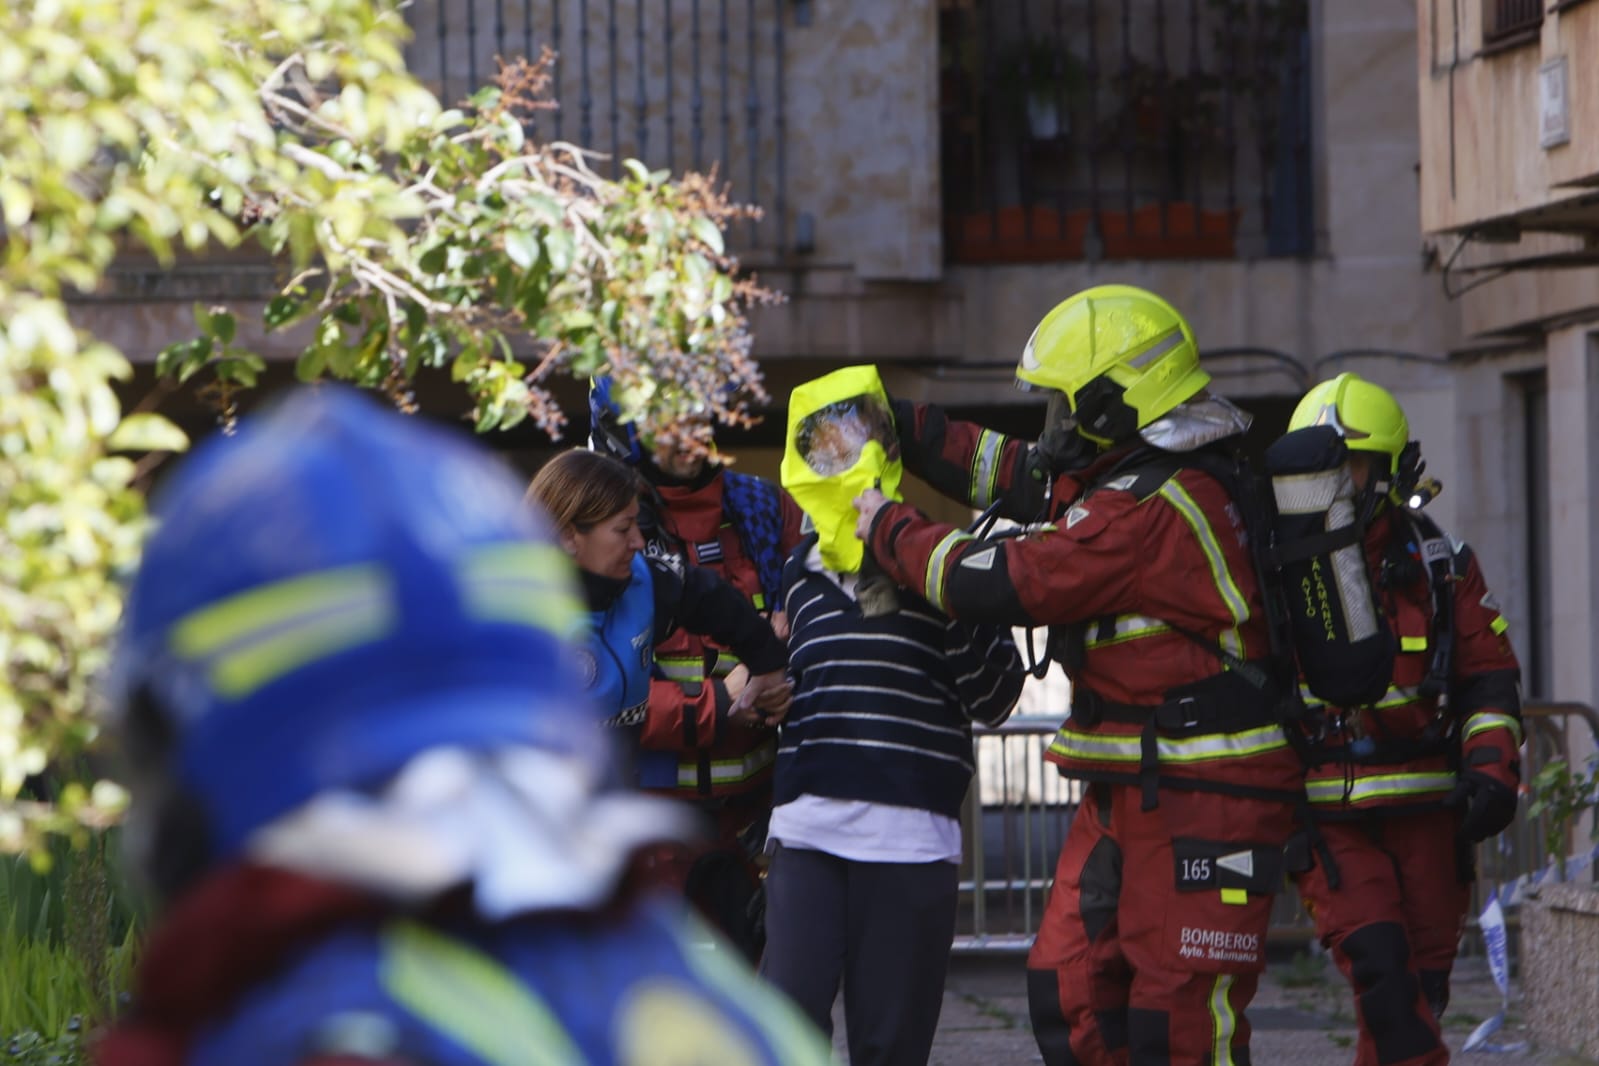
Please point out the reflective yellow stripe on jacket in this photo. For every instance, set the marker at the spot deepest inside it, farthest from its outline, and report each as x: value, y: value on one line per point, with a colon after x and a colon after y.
x: 985, y: 468
x: 1483, y: 721
x: 1369, y: 788
x: 935, y: 566
x: 1396, y: 696
x: 729, y: 771
x: 1173, y: 493
x: 1123, y: 628
x: 1101, y: 747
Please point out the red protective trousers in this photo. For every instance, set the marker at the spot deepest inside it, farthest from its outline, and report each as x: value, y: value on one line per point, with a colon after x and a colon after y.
x: 1144, y: 957
x: 1392, y: 925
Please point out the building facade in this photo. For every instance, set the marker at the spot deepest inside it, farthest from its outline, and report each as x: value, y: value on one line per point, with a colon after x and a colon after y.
x: 935, y: 174
x: 1509, y: 124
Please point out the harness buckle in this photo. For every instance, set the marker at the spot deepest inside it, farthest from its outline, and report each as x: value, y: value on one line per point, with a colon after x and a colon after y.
x: 1188, y: 709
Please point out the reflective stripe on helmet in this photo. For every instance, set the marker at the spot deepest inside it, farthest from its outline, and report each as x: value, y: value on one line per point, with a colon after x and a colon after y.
x: 522, y: 584
x: 258, y: 636
x: 1379, y: 786
x: 471, y: 998
x: 1173, y: 493
x: 1072, y: 744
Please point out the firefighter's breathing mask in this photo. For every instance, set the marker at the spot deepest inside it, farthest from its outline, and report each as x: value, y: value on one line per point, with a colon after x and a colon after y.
x: 841, y: 442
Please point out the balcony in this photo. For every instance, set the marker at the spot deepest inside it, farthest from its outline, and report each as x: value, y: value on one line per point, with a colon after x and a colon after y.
x: 1125, y: 129
x: 1510, y: 126
x: 680, y: 84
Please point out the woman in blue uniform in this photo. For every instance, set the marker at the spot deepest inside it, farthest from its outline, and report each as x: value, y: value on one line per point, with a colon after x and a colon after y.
x: 638, y: 600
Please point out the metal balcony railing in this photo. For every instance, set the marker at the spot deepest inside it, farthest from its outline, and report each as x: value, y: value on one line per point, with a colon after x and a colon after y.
x: 680, y: 84
x: 1125, y: 129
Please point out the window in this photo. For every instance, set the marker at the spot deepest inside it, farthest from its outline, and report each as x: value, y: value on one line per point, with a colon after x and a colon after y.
x: 1511, y: 22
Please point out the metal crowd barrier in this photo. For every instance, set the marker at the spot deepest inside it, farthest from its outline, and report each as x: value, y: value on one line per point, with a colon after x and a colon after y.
x: 1019, y: 808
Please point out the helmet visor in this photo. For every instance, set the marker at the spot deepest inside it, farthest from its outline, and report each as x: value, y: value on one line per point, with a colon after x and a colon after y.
x: 831, y: 439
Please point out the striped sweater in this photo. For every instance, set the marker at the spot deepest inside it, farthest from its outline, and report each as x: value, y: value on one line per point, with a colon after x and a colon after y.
x: 883, y: 706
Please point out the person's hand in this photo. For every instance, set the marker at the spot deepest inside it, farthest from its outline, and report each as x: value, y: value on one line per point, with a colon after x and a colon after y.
x: 1488, y: 806
x: 867, y: 504
x: 764, y: 701
x: 779, y: 623
x: 740, y: 712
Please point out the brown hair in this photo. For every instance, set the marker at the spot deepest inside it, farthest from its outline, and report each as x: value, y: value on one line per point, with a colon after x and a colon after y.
x: 580, y: 488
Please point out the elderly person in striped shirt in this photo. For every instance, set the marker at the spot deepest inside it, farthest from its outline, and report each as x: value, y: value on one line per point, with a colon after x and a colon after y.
x: 876, y: 754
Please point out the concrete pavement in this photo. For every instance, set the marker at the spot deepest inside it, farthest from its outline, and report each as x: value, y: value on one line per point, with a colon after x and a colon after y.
x: 1302, y: 1015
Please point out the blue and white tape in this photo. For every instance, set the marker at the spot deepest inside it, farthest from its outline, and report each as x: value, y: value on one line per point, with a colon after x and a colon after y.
x: 1511, y: 892
x: 1492, y: 922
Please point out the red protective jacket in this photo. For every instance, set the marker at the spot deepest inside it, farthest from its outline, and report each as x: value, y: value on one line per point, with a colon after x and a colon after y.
x: 717, y: 758
x: 1401, y: 752
x: 1132, y: 556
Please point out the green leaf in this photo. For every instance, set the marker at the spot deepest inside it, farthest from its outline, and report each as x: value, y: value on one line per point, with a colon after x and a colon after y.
x: 433, y: 260
x: 281, y: 311
x: 311, y: 364
x: 485, y: 99
x: 522, y: 247
x: 147, y: 432
x: 515, y: 135
x: 559, y: 247
x: 577, y: 320
x: 223, y: 326
x: 708, y: 233
x: 170, y: 357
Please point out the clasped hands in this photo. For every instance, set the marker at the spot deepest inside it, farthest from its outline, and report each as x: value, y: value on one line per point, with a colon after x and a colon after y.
x: 759, y: 700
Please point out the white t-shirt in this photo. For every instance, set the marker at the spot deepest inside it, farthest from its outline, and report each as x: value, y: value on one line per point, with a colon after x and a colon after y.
x: 856, y: 829
x: 865, y: 832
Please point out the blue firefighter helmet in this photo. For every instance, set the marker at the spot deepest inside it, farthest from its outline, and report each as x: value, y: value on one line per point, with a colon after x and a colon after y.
x: 328, y: 593
x: 608, y: 434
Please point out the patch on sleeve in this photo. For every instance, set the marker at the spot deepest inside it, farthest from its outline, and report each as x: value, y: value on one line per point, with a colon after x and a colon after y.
x: 1077, y: 513
x: 983, y: 560
x: 1491, y: 602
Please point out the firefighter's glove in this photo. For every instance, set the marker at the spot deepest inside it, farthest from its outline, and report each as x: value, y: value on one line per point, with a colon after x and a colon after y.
x: 1062, y: 450
x: 1488, y: 805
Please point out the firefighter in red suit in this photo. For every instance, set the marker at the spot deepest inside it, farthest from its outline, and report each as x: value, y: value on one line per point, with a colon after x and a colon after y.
x: 1138, y: 560
x: 744, y: 528
x: 1402, y: 789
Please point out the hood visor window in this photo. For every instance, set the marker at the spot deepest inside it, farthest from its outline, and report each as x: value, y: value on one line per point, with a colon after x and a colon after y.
x: 832, y: 438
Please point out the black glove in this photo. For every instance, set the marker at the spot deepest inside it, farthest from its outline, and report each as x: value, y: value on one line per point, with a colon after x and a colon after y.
x: 1489, y: 805
x: 904, y: 423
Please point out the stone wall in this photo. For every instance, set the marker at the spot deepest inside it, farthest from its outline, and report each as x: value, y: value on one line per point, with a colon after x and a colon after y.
x: 1560, y: 967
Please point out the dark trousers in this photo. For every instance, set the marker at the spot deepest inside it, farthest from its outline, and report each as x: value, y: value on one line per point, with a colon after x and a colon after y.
x: 882, y: 928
